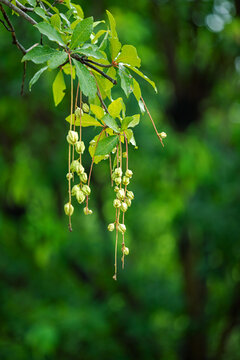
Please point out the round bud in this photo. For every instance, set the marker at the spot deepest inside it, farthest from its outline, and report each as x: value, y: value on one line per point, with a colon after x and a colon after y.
x: 74, y: 166
x: 85, y: 107
x: 114, y: 150
x: 72, y: 137
x: 87, y: 211
x: 86, y: 190
x: 78, y: 111
x: 83, y: 177
x: 130, y: 195
x: 128, y: 202
x: 116, y: 203
x: 125, y: 180
x: 118, y: 171
x: 116, y: 188
x: 163, y: 135
x: 118, y: 180
x: 121, y: 194
x: 80, y: 169
x: 80, y: 196
x: 69, y: 176
x: 122, y: 228
x: 80, y: 147
x: 126, y: 250
x: 129, y: 173
x: 124, y: 207
x: 69, y: 209
x: 75, y: 190
x: 111, y: 227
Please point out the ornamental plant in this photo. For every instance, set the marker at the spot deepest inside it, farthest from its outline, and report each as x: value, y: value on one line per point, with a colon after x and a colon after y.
x: 91, y: 53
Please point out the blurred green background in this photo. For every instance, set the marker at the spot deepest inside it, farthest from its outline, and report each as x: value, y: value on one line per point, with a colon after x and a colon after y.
x: 179, y: 295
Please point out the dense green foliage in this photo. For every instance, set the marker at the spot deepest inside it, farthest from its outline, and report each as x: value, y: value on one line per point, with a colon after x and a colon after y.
x: 179, y: 295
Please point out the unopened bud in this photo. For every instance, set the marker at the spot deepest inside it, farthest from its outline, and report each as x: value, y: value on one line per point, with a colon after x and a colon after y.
x: 129, y: 173
x: 128, y: 202
x: 69, y: 209
x: 69, y: 176
x: 75, y: 190
x: 126, y: 250
x: 163, y: 135
x: 118, y: 171
x: 78, y: 111
x: 125, y: 180
x: 80, y: 147
x: 116, y: 203
x: 130, y: 195
x: 86, y: 190
x: 80, y: 169
x: 111, y: 227
x: 122, y: 228
x: 118, y: 180
x: 72, y: 137
x: 83, y: 177
x: 124, y: 207
x: 116, y: 188
x: 121, y: 194
x: 75, y: 166
x: 85, y: 107
x: 114, y: 150
x: 87, y: 211
x: 80, y: 196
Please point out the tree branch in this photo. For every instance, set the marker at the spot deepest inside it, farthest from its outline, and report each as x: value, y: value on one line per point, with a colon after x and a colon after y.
x: 24, y: 8
x: 11, y: 29
x: 19, y: 11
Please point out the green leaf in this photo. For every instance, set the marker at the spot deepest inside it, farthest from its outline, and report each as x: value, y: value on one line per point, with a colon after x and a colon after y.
x: 129, y: 56
x: 36, y: 76
x: 136, y: 90
x: 79, y: 10
x: 59, y: 88
x: 67, y: 70
x: 90, y: 50
x: 86, y: 120
x: 110, y: 122
x: 115, y: 47
x: 86, y: 80
x: 130, y: 137
x: 112, y: 24
x: 106, y: 145
x: 82, y: 32
x: 50, y: 32
x: 97, y: 111
x: 126, y: 79
x: 115, y: 107
x: 40, y: 12
x: 39, y: 54
x: 98, y: 35
x: 130, y: 121
x: 143, y: 76
x: 32, y: 2
x: 57, y: 59
x: 55, y: 21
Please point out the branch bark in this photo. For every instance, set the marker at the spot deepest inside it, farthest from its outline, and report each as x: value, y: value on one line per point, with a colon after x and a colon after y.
x: 19, y: 11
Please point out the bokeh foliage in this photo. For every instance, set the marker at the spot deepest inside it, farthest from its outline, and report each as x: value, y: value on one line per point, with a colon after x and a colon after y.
x: 179, y: 295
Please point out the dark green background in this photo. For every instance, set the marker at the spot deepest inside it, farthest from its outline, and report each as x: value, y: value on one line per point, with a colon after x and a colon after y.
x: 179, y: 295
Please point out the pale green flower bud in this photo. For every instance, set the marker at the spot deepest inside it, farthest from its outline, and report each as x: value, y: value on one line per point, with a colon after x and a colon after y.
x: 163, y: 135
x: 121, y: 194
x: 118, y: 180
x: 75, y: 190
x: 125, y: 180
x: 114, y: 176
x: 80, y: 169
x: 116, y: 188
x: 130, y: 195
x: 124, y: 207
x: 83, y: 177
x: 72, y: 137
x: 87, y: 211
x: 116, y: 203
x: 80, y: 196
x: 114, y: 150
x: 69, y: 176
x: 74, y: 166
x: 126, y: 250
x: 118, y: 172
x: 86, y: 190
x: 129, y: 173
x: 78, y: 111
x: 122, y: 228
x: 111, y: 227
x: 128, y: 202
x: 85, y: 107
x: 80, y: 147
x: 69, y: 209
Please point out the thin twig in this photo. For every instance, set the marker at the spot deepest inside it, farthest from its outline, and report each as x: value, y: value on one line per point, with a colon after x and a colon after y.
x: 24, y: 8
x: 5, y: 25
x: 19, y: 11
x: 96, y: 63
